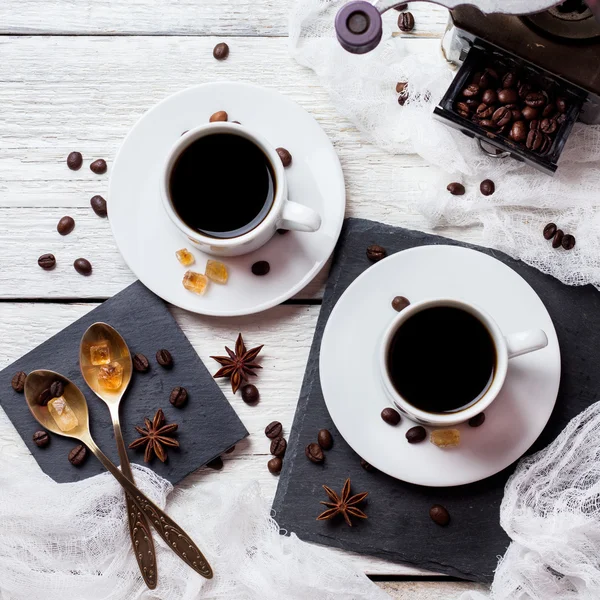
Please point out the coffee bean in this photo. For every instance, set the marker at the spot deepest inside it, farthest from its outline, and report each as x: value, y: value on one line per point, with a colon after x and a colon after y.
x: 489, y: 97
x: 561, y: 105
x: 99, y: 166
x: 390, y: 416
x: 568, y: 241
x: 509, y: 80
x: 439, y: 515
x: 456, y: 189
x: 463, y: 107
x: 401, y: 87
x: 74, y: 161
x: 471, y: 91
x: 535, y: 99
x: 406, y: 21
x: 178, y: 396
x: 416, y: 434
x: 366, y: 466
x: 274, y: 430
x: 215, y: 463
x: 325, y: 439
x: 375, y: 253
x: 548, y: 125
x: 472, y: 103
x: 400, y: 303
x: 47, y: 262
x: 549, y: 110
x: 278, y: 447
x: 488, y: 123
x: 164, y: 358
x: 529, y: 113
x: 534, y: 139
x: 518, y: 131
x: 402, y: 98
x: 401, y: 7
x: 524, y: 89
x: 83, y: 266
x: 41, y: 439
x: 141, y: 363
x: 507, y: 96
x: 549, y: 231
x: 221, y: 51
x: 275, y: 465
x: 78, y: 455
x: 285, y: 156
x: 534, y: 125
x: 477, y: 420
x: 517, y: 115
x: 463, y: 113
x: 260, y: 268
x: 57, y: 389
x: 558, y: 237
x: 487, y: 187
x: 250, y: 394
x: 18, y: 381
x: 45, y: 397
x: 502, y: 116
x: 98, y: 204
x: 484, y: 111
x: 65, y: 225
x: 220, y: 115
x: 314, y: 453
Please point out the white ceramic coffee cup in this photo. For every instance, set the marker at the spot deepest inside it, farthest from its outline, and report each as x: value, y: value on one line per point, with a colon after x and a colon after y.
x: 283, y: 213
x: 507, y: 347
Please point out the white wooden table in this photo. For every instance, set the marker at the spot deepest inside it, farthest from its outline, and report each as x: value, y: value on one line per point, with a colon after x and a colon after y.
x: 76, y: 75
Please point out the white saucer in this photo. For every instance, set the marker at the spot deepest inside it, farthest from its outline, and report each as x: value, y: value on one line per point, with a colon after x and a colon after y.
x: 148, y: 240
x: 354, y: 394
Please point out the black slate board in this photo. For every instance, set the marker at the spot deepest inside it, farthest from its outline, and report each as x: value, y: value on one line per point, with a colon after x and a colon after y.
x: 208, y: 425
x: 399, y: 527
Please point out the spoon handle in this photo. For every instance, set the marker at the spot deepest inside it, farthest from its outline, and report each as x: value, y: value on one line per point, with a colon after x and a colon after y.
x: 176, y: 539
x: 139, y: 526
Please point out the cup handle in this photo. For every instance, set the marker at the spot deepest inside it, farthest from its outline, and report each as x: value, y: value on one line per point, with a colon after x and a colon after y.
x: 299, y: 217
x: 525, y: 342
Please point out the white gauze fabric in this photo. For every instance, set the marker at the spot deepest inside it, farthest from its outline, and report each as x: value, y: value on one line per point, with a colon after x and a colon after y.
x: 71, y: 542
x: 362, y: 88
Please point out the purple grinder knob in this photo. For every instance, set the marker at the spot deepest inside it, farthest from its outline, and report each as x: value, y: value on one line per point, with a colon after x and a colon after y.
x: 358, y: 27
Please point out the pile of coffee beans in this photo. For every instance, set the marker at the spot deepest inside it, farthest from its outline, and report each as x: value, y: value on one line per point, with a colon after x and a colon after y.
x: 274, y: 431
x: 510, y: 104
x: 558, y: 237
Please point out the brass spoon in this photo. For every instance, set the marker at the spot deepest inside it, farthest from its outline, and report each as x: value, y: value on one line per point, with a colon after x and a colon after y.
x: 175, y: 538
x: 139, y: 526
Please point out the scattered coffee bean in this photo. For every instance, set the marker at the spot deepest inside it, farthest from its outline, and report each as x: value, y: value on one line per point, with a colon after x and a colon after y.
x: 47, y: 262
x: 390, y: 416
x: 549, y: 231
x: 57, y: 389
x: 568, y: 241
x: 325, y: 439
x: 274, y: 430
x: 215, y: 463
x: 401, y: 87
x: 314, y: 453
x: 477, y: 420
x: 275, y: 465
x: 400, y: 303
x: 220, y: 115
x: 65, y: 225
x: 250, y: 394
x: 402, y: 98
x: 401, y: 7
x: 45, y: 397
x: 260, y: 268
x: 439, y: 515
x: 74, y: 161
x: 518, y: 131
x: 487, y: 187
x: 18, y: 381
x: 285, y: 156
x: 278, y: 447
x: 230, y: 450
x: 366, y: 466
x: 375, y: 253
x: 455, y: 188
x: 406, y: 22
x: 164, y: 358
x: 141, y: 363
x: 99, y: 166
x: 83, y: 266
x: 221, y: 51
x: 558, y: 237
x: 178, y: 397
x: 41, y: 439
x: 78, y: 455
x: 98, y: 204
x: 416, y: 434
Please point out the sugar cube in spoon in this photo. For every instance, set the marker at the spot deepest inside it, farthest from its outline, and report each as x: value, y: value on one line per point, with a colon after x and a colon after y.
x: 110, y: 376
x: 62, y: 414
x: 100, y: 354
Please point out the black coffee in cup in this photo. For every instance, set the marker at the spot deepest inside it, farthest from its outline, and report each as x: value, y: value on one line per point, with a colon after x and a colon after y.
x: 222, y: 185
x: 442, y: 359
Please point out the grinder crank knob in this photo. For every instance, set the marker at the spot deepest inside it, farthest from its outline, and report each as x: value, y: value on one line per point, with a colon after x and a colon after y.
x: 358, y: 27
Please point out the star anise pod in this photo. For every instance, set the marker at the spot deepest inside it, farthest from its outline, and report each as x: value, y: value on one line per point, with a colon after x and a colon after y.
x: 155, y: 436
x: 238, y: 365
x: 343, y: 504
